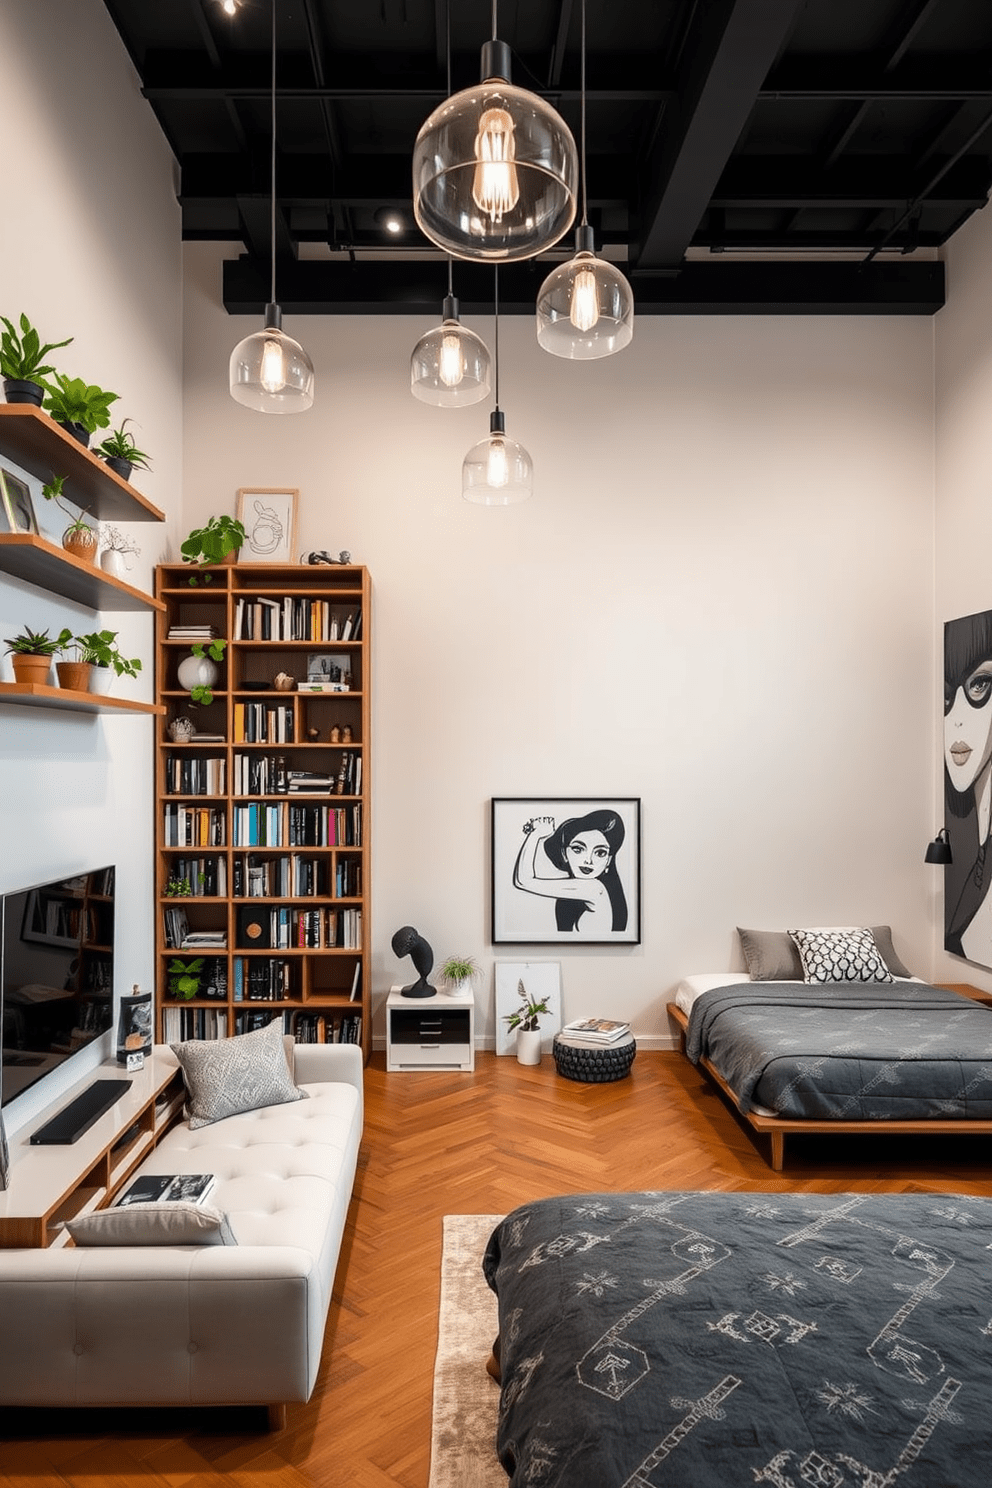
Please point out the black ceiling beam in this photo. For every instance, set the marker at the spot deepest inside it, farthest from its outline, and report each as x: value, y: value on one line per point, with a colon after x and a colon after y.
x: 396, y: 288
x: 729, y: 52
x: 839, y: 79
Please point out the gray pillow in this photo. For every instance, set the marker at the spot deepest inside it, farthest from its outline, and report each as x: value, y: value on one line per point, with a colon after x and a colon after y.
x: 173, y: 1223
x: 226, y: 1076
x: 772, y: 955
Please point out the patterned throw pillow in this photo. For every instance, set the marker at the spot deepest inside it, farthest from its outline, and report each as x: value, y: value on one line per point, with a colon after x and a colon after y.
x: 226, y: 1076
x: 840, y: 956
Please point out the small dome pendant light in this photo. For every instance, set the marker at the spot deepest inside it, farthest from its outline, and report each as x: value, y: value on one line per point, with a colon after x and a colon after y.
x: 585, y: 308
x: 450, y: 365
x: 495, y: 169
x: 269, y: 371
x: 497, y: 471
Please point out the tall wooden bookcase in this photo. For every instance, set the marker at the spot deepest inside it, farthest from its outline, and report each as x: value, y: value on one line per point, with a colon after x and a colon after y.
x: 275, y: 862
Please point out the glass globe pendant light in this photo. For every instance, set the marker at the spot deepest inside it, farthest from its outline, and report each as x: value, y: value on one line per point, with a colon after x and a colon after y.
x: 585, y: 308
x: 495, y: 169
x: 497, y: 471
x: 269, y: 371
x: 450, y: 365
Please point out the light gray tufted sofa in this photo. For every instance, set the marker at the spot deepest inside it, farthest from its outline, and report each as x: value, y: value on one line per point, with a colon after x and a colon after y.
x: 202, y: 1325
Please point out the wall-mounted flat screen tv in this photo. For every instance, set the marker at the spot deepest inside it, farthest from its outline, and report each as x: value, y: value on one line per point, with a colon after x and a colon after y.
x: 57, y: 979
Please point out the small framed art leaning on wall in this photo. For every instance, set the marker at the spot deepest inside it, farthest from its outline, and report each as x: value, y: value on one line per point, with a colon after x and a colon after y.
x: 268, y: 516
x: 566, y: 870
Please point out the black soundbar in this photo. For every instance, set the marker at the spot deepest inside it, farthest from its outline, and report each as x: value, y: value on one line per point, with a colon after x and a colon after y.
x: 79, y: 1115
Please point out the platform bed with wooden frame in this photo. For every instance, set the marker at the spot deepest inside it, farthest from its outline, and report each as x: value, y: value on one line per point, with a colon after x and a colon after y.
x: 777, y: 1128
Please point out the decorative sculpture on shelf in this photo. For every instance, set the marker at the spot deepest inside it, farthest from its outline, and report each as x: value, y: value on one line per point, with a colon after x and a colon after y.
x: 408, y: 942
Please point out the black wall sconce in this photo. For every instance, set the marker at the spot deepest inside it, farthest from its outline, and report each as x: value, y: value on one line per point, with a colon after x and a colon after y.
x: 939, y: 850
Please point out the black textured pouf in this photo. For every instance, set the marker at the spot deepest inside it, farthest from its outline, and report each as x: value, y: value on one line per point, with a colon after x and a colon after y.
x: 593, y: 1064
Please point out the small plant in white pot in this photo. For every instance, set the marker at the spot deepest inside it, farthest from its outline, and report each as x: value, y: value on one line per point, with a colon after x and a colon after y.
x: 456, y: 975
x: 524, y: 1022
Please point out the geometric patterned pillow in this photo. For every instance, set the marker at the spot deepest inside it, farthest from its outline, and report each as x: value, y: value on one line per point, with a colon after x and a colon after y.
x: 226, y: 1076
x: 840, y: 956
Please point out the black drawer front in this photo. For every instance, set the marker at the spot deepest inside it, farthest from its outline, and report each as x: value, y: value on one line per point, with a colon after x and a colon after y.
x: 425, y: 1027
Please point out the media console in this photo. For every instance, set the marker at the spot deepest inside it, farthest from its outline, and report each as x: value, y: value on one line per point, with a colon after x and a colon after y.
x: 52, y: 1183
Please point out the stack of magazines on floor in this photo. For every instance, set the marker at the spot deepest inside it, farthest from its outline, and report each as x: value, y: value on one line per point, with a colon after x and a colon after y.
x: 595, y: 1031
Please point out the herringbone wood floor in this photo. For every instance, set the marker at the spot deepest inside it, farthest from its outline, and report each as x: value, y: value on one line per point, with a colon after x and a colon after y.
x: 454, y: 1144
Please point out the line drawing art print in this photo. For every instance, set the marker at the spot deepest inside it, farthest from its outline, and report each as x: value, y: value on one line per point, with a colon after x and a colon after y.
x: 566, y: 870
x: 268, y: 516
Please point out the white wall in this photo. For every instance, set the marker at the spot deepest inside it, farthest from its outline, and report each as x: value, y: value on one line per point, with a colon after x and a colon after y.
x: 90, y: 248
x: 964, y: 490
x: 718, y: 600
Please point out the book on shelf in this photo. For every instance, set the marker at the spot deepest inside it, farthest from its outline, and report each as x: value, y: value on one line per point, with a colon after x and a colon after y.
x: 192, y: 632
x: 207, y: 940
x: 167, y: 1188
x: 596, y: 1030
x: 309, y: 686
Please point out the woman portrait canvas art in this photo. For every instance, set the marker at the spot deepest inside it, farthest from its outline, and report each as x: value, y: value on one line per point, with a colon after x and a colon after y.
x: 566, y: 870
x: 968, y: 786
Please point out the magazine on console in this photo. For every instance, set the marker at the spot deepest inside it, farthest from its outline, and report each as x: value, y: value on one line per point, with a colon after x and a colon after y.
x: 160, y: 1188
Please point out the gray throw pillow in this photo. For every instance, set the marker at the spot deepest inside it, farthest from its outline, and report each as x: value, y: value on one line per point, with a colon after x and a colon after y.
x: 178, y: 1222
x: 772, y: 955
x: 226, y: 1076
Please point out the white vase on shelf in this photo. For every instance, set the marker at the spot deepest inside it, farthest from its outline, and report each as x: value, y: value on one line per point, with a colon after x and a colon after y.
x: 112, y: 562
x: 197, y: 671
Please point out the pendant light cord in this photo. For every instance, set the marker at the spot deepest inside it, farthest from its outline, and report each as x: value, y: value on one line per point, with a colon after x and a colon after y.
x: 496, y: 332
x: 272, y: 222
x: 582, y: 108
x: 494, y: 20
x: 447, y: 55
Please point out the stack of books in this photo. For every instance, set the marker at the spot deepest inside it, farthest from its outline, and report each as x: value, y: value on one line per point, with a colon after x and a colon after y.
x: 595, y: 1031
x: 192, y: 632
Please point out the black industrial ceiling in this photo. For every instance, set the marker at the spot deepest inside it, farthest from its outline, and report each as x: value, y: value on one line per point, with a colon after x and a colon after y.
x: 745, y: 156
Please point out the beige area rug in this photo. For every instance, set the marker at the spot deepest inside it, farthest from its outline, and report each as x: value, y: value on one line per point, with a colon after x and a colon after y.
x: 463, y: 1425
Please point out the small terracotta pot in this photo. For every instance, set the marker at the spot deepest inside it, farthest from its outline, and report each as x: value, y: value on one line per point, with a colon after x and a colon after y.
x: 31, y: 669
x: 83, y: 543
x: 74, y: 676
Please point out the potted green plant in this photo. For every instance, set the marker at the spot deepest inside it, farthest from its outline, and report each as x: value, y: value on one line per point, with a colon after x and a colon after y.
x: 81, y: 408
x: 121, y: 453
x: 456, y: 975
x: 219, y: 541
x: 22, y: 361
x: 525, y: 1023
x: 199, y: 672
x: 184, y: 978
x: 79, y: 538
x: 84, y: 652
x: 31, y: 655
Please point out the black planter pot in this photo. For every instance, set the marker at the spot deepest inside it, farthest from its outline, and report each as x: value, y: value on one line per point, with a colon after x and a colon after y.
x: 21, y: 390
x: 81, y: 435
x: 119, y: 466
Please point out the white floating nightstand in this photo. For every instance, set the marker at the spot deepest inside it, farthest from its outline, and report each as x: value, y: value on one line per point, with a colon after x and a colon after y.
x: 429, y: 1033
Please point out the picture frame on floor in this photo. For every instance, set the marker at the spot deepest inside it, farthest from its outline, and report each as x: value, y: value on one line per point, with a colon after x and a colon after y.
x: 566, y: 870
x: 268, y: 515
x: 541, y: 983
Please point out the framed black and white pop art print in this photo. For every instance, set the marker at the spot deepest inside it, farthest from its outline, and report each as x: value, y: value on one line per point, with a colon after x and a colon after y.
x: 566, y: 870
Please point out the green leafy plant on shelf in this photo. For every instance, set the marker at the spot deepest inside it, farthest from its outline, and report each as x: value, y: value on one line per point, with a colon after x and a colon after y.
x: 457, y: 969
x: 178, y: 888
x: 212, y: 543
x: 70, y: 400
x: 52, y: 491
x: 98, y: 648
x: 184, y: 978
x: 22, y: 355
x: 527, y: 1013
x: 120, y: 445
x: 32, y: 643
x: 202, y: 692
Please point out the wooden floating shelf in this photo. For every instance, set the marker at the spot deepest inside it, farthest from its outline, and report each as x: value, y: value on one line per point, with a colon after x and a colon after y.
x: 34, y: 559
x: 29, y: 695
x: 44, y: 448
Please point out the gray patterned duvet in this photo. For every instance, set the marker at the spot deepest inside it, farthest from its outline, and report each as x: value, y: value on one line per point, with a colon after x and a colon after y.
x: 703, y: 1340
x: 882, y: 1052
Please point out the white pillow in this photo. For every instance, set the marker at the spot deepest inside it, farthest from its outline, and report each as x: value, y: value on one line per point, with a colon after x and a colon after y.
x: 840, y: 956
x: 177, y: 1222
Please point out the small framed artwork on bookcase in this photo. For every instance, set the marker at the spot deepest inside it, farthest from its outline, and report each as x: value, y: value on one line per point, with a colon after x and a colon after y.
x: 268, y: 515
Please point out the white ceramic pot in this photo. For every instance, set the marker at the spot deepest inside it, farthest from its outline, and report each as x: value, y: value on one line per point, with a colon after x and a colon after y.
x: 197, y: 671
x: 461, y: 989
x: 528, y: 1046
x: 102, y: 679
x: 112, y: 562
